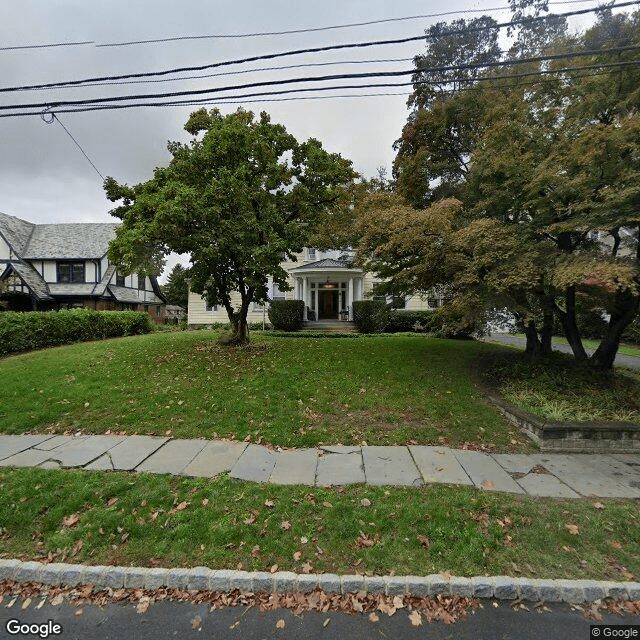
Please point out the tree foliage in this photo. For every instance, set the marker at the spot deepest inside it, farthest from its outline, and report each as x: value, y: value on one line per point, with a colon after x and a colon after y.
x: 176, y: 289
x: 238, y: 198
x: 544, y: 176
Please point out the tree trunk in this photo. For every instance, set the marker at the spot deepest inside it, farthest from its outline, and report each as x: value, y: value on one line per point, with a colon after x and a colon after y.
x: 533, y: 347
x: 570, y: 326
x: 625, y: 310
x: 547, y: 327
x: 239, y: 329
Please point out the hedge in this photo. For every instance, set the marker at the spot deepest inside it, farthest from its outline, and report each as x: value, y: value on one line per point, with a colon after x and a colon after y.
x: 286, y: 315
x: 370, y: 316
x: 26, y: 331
x: 406, y: 321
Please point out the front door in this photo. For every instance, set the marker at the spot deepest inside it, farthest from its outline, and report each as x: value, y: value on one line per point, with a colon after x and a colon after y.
x: 327, y: 305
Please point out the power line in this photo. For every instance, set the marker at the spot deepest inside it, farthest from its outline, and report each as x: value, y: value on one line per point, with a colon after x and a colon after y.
x: 315, y: 79
x: 269, y: 33
x: 220, y: 99
x: 281, y: 54
x: 51, y: 119
x: 315, y: 29
x: 46, y: 46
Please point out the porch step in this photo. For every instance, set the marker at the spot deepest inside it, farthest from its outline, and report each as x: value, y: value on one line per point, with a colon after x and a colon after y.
x: 337, y: 326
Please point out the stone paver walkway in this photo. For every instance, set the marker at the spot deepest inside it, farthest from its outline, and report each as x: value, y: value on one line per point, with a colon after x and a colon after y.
x: 537, y: 474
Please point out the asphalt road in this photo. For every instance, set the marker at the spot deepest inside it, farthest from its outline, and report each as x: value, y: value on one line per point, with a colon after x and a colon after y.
x: 185, y: 620
x: 504, y: 338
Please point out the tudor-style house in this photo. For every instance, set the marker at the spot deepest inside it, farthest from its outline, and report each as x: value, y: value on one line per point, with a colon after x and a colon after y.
x: 326, y: 281
x: 58, y: 266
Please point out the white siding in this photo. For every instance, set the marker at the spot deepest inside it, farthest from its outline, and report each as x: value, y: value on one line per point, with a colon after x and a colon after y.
x: 198, y: 314
x: 50, y: 273
x: 89, y: 271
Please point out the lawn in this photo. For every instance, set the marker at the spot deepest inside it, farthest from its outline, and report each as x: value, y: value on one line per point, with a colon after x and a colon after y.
x: 146, y: 520
x: 286, y: 391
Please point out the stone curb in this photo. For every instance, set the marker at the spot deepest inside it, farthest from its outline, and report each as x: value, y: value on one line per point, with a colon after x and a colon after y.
x: 203, y: 578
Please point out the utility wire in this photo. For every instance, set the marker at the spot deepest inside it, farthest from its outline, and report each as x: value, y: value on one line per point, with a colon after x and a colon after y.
x: 220, y: 99
x: 294, y: 52
x: 49, y: 119
x: 315, y: 79
x: 316, y: 29
x: 267, y: 33
x: 348, y: 62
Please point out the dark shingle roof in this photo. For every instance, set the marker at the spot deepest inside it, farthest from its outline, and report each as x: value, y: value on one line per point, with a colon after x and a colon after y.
x: 16, y: 231
x: 67, y: 241
x: 32, y: 279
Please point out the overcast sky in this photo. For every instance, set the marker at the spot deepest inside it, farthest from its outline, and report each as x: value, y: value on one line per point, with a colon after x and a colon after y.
x: 44, y: 176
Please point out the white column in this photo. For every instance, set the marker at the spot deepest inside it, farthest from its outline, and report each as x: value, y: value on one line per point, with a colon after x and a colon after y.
x: 304, y: 297
x: 350, y: 298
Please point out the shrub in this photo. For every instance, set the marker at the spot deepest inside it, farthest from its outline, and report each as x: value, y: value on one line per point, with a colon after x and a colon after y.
x: 416, y: 321
x: 286, y: 315
x: 632, y: 332
x: 39, y: 330
x: 370, y: 316
x: 458, y: 319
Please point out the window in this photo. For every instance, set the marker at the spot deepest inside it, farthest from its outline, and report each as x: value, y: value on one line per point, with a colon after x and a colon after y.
x: 119, y: 280
x: 141, y: 281
x: 377, y: 292
x: 213, y: 307
x: 70, y: 271
x: 311, y: 254
x: 276, y: 293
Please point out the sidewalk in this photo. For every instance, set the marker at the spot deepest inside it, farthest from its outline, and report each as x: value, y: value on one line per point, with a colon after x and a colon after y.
x: 538, y: 474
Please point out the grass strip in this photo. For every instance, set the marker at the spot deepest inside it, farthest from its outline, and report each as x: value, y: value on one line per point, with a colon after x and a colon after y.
x: 125, y: 519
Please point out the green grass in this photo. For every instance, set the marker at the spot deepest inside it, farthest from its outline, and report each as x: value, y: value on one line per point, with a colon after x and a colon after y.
x: 286, y: 391
x: 625, y: 349
x: 558, y: 389
x: 167, y: 521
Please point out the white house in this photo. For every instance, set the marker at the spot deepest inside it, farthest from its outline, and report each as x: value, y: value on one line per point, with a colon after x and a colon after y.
x: 55, y: 266
x: 325, y: 280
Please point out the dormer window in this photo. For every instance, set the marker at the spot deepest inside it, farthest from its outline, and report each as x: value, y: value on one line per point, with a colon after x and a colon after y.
x: 311, y: 254
x: 119, y: 280
x: 71, y: 272
x: 141, y: 286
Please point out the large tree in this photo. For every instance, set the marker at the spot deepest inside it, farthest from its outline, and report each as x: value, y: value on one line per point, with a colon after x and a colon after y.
x: 176, y: 289
x: 545, y: 168
x: 239, y: 199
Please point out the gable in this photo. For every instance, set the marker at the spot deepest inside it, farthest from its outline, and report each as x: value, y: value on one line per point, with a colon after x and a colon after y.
x: 15, y: 232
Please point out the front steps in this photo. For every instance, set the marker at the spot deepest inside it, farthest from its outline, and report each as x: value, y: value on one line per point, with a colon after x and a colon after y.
x: 330, y: 326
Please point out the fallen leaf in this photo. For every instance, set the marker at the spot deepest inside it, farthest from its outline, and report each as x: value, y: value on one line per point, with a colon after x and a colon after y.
x: 365, y: 502
x: 196, y: 622
x: 79, y: 612
x: 424, y: 541
x: 416, y: 618
x: 326, y: 622
x: 307, y: 568
x: 112, y: 501
x: 373, y: 617
x: 205, y: 502
x: 255, y: 552
x: 327, y: 504
x: 76, y: 547
x: 269, y: 503
x: 143, y: 604
x: 182, y: 506
x: 304, y: 540
x: 572, y: 529
x: 364, y: 541
x: 488, y: 484
x: 445, y: 575
x: 57, y: 600
x: 26, y: 603
x: 280, y: 624
x: 274, y: 568
x: 297, y: 555
x: 70, y: 521
x: 598, y: 505
x: 615, y: 544
x: 286, y: 525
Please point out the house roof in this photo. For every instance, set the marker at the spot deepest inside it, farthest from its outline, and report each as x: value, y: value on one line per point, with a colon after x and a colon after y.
x: 15, y: 231
x: 32, y: 279
x: 326, y: 264
x: 86, y: 240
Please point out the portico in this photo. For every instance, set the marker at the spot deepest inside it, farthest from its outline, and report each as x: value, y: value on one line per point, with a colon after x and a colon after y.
x: 328, y: 288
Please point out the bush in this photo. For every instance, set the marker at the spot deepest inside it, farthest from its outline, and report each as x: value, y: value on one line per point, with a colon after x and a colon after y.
x: 632, y: 332
x: 370, y: 316
x: 416, y: 321
x: 39, y: 330
x: 286, y: 315
x: 458, y: 319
